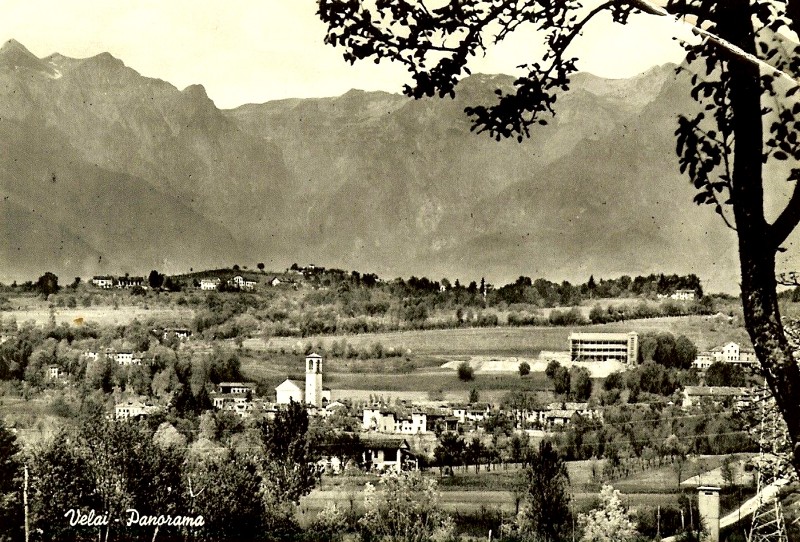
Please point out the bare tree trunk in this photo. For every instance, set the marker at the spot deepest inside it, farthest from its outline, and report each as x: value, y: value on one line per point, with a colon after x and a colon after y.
x: 756, y: 247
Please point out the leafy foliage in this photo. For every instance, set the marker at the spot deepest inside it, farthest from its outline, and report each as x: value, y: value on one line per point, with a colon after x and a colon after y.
x: 288, y: 464
x: 404, y: 509
x: 609, y: 521
x: 545, y: 511
x: 10, y: 484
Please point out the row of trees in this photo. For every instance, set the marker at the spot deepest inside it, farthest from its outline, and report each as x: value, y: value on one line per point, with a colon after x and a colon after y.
x: 545, y: 293
x: 636, y: 437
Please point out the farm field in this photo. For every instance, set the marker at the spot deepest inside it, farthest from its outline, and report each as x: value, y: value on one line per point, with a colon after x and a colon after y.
x: 426, y: 380
x: 706, y: 332
x: 101, y: 315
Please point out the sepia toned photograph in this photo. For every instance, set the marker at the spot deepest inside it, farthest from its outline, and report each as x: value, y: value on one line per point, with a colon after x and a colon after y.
x: 399, y: 271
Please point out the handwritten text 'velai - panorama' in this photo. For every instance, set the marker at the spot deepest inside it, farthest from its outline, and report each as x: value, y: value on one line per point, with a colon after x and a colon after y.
x: 93, y: 519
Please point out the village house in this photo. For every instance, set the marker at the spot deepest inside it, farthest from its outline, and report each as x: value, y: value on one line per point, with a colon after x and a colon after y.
x: 554, y: 414
x: 127, y: 357
x: 91, y: 354
x: 54, y: 372
x: 275, y: 281
x: 556, y: 417
x: 387, y: 453
x: 236, y: 387
x: 697, y: 395
x: 181, y: 333
x: 133, y: 409
x: 441, y: 420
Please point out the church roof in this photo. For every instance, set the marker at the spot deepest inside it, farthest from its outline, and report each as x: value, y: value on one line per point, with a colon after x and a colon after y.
x: 314, y: 355
x: 289, y: 383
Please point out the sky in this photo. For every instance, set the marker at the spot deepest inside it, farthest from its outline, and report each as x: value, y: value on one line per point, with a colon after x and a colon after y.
x: 252, y: 51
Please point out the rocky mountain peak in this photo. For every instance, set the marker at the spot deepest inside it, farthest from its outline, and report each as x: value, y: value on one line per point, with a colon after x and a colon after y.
x: 15, y: 56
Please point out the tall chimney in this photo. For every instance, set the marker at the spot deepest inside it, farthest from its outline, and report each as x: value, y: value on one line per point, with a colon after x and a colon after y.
x: 708, y: 505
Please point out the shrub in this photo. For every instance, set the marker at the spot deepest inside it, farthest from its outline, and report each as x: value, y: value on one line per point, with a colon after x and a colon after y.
x: 465, y: 372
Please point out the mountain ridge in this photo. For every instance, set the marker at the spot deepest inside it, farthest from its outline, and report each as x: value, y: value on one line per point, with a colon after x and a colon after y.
x: 365, y: 180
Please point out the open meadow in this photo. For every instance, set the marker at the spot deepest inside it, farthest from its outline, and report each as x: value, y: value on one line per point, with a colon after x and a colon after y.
x: 468, y: 492
x: 37, y: 310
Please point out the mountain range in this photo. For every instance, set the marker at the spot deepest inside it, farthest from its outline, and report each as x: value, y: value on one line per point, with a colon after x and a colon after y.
x: 104, y: 170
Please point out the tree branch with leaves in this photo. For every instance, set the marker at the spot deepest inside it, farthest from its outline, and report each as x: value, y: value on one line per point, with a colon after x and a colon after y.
x: 744, y: 81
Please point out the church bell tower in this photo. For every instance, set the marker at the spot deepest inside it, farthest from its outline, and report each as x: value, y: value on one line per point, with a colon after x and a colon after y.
x: 314, y: 380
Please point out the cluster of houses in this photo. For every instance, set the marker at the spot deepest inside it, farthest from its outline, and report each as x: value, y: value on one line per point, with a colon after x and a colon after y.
x: 240, y: 282
x: 416, y: 420
x: 386, y: 430
x: 120, y: 357
x: 727, y: 353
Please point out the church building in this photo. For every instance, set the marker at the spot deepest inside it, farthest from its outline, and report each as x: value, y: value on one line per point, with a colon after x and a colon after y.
x: 311, y: 393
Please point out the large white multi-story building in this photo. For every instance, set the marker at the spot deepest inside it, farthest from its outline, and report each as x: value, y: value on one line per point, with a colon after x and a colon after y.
x: 604, y: 347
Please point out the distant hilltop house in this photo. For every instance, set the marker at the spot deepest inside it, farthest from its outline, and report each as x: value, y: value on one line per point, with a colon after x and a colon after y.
x: 130, y: 282
x: 107, y: 282
x: 680, y: 295
x: 684, y: 295
x: 209, y: 284
x: 103, y: 281
x: 311, y: 392
x: 55, y: 372
x: 242, y: 283
x: 728, y: 353
x: 622, y: 347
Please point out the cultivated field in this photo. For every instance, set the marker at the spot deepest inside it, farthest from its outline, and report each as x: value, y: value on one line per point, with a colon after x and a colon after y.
x: 705, y: 331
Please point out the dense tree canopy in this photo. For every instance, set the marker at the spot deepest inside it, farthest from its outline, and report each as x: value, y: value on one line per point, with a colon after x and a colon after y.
x: 743, y: 79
